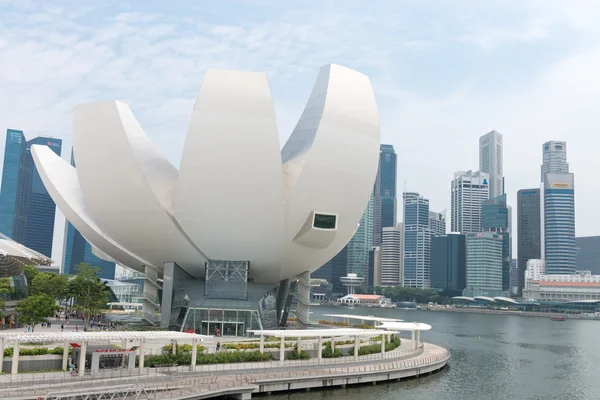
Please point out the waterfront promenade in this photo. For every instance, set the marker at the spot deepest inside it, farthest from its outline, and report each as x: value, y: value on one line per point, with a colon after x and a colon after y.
x: 234, y: 380
x: 510, y: 312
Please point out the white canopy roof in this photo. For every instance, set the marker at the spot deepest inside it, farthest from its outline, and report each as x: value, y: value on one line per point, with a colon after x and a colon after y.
x: 315, y: 333
x: 405, y: 326
x: 25, y: 255
x: 363, y: 317
x: 77, y: 337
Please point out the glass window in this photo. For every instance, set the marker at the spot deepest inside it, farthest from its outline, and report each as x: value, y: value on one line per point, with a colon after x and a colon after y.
x: 324, y: 221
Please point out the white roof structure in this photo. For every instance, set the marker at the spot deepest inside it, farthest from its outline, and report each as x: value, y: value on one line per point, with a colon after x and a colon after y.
x: 505, y: 299
x: 306, y: 200
x: 24, y: 255
x: 315, y: 333
x: 405, y: 326
x: 77, y: 337
x: 363, y: 318
x: 485, y: 298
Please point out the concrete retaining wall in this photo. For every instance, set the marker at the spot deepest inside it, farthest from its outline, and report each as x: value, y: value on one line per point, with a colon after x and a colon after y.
x: 369, y: 376
x: 34, y: 363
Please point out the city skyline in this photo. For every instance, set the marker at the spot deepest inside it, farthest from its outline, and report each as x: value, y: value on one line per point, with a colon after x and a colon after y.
x: 440, y: 112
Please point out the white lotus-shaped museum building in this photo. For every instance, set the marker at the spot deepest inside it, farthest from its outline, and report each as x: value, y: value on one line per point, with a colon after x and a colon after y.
x: 240, y: 216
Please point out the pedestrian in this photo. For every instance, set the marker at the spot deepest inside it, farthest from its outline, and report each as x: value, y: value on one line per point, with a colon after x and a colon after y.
x: 28, y: 329
x: 76, y: 328
x: 62, y: 327
x: 218, y: 346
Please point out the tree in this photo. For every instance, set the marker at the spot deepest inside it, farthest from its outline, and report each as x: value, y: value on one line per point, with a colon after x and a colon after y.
x: 88, y: 291
x: 5, y: 288
x: 35, y: 309
x: 52, y: 284
x: 9, y: 266
x: 30, y: 271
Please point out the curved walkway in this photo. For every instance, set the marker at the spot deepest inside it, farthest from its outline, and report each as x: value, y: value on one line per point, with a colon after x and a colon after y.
x: 179, y: 383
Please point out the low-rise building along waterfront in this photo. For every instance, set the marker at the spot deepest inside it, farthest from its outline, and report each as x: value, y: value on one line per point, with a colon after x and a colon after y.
x: 571, y: 287
x: 366, y: 300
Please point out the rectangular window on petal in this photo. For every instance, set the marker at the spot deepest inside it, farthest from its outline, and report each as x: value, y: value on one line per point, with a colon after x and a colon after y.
x: 324, y: 221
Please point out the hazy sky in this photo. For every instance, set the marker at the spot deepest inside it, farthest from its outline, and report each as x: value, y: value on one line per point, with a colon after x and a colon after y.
x: 444, y: 73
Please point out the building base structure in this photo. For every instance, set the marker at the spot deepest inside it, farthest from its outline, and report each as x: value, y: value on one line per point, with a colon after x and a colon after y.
x: 226, y: 302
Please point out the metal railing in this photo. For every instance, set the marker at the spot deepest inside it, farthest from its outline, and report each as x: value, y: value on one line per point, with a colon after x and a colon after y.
x: 152, y: 279
x: 151, y: 298
x: 151, y: 386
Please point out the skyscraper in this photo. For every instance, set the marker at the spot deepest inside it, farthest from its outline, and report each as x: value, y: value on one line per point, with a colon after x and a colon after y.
x: 513, y: 276
x: 588, y: 253
x: 448, y: 264
x: 384, y: 206
x: 484, y: 264
x: 494, y: 218
x: 77, y: 250
x: 469, y: 190
x: 416, y: 262
x: 13, y: 151
x: 554, y: 158
x: 375, y: 266
x: 391, y: 256
x: 529, y: 238
x: 333, y: 270
x: 437, y: 223
x: 33, y: 211
x: 360, y: 244
x: 490, y: 161
x: 559, y: 223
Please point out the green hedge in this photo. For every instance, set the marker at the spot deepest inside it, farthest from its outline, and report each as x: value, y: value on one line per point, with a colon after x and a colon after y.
x: 376, y: 348
x: 247, y: 346
x: 218, y: 358
x: 36, y: 351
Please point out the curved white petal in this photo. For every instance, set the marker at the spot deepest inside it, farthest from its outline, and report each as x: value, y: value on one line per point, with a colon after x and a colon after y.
x: 230, y: 189
x: 60, y: 179
x: 100, y: 254
x: 128, y: 185
x: 330, y: 165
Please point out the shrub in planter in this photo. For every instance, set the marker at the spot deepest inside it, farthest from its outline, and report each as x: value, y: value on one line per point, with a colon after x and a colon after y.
x: 393, y: 343
x: 182, y: 348
x: 297, y: 354
x: 328, y: 353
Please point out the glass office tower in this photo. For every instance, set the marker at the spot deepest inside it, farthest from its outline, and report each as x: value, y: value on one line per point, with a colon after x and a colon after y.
x: 529, y: 225
x: 448, y: 264
x: 13, y: 152
x: 27, y: 210
x: 384, y: 207
x: 559, y: 223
